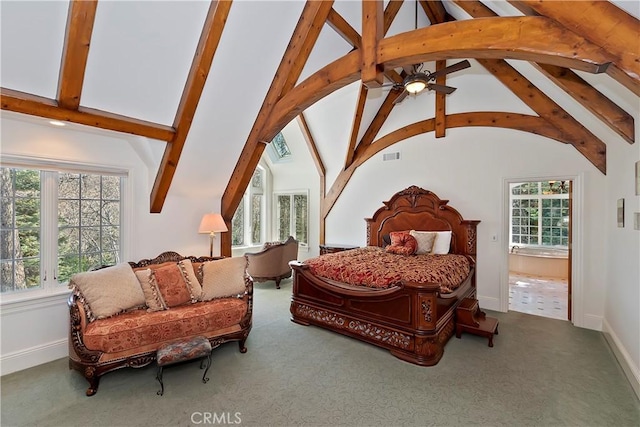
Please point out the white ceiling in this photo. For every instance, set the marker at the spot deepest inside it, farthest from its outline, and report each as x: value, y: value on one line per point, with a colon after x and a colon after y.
x: 141, y: 52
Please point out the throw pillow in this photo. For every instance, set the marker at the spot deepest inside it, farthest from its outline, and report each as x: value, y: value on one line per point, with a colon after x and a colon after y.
x: 108, y: 291
x: 150, y: 289
x: 171, y: 285
x: 402, y: 243
x: 442, y: 244
x: 425, y: 241
x: 223, y: 278
x: 189, y: 275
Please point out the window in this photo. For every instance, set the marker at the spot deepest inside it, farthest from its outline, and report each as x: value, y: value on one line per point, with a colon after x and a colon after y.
x: 292, y: 216
x: 278, y: 149
x: 540, y: 213
x: 251, y: 212
x: 55, y: 224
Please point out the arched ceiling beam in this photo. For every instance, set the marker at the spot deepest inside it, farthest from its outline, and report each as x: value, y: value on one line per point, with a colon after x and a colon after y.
x: 205, y: 51
x: 604, y: 24
x: 611, y: 114
x: 345, y: 70
x: 530, y: 38
x: 435, y: 11
x: 75, y: 52
x: 514, y: 121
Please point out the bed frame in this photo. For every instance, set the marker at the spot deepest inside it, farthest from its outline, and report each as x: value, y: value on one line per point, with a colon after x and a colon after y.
x: 411, y: 320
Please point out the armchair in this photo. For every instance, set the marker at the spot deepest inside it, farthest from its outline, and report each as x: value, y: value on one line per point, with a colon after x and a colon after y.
x: 272, y: 262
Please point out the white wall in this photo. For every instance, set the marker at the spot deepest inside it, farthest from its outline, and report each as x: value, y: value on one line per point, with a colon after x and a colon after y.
x: 36, y: 332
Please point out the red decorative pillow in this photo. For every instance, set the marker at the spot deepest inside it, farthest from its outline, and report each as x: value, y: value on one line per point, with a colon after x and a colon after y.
x: 402, y: 243
x: 172, y: 286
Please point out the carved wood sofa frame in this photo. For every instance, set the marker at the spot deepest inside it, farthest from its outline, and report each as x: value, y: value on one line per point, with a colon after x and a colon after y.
x: 87, y: 361
x: 413, y: 320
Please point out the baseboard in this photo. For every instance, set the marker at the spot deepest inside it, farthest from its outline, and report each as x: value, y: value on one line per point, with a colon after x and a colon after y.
x: 590, y: 321
x: 33, y: 356
x: 632, y: 372
x: 489, y: 303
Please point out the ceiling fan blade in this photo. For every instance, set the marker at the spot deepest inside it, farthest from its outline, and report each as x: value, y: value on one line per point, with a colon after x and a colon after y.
x: 401, y: 97
x: 450, y: 69
x: 441, y: 88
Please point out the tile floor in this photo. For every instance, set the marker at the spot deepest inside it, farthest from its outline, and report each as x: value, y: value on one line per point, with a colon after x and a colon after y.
x: 541, y: 296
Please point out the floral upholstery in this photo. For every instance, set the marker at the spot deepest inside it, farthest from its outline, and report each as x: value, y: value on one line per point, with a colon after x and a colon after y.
x: 183, y: 349
x: 375, y: 268
x: 140, y: 328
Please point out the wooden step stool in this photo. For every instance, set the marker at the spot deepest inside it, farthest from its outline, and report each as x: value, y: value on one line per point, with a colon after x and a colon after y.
x: 469, y: 318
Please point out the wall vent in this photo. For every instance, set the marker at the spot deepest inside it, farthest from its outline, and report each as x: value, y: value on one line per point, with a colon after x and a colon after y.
x: 391, y: 156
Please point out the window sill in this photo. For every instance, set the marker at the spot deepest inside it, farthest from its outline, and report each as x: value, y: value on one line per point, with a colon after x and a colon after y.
x: 32, y: 300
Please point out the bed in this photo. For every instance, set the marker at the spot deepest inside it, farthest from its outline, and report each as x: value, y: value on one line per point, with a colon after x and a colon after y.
x: 412, y: 319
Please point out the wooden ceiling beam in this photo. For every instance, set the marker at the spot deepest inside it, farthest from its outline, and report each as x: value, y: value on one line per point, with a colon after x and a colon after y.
x: 344, y: 29
x: 435, y: 11
x: 33, y: 105
x: 604, y: 24
x: 575, y: 133
x: 372, y: 33
x: 611, y: 114
x: 390, y: 13
x: 441, y: 114
x: 525, y: 38
x: 311, y: 144
x: 75, y: 52
x: 304, y: 36
x: 376, y: 124
x: 205, y: 51
x: 602, y: 107
x: 514, y: 121
x: 305, y: 42
x: 355, y: 125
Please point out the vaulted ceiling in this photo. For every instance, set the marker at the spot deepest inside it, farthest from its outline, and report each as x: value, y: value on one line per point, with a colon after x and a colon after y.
x: 181, y: 72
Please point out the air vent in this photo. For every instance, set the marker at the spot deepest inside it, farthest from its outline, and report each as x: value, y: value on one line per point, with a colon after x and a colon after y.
x: 391, y: 156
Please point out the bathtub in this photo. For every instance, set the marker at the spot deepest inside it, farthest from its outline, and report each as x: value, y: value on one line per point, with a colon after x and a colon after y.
x: 539, y: 261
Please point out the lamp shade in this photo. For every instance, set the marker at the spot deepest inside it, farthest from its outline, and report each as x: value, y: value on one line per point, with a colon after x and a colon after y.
x: 212, y: 222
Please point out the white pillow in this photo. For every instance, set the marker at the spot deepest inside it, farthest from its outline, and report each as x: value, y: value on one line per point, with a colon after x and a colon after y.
x: 223, y: 278
x: 442, y: 243
x: 110, y: 290
x: 425, y: 241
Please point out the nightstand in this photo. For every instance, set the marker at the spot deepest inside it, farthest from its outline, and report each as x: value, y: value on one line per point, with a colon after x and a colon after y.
x: 329, y: 248
x: 469, y: 318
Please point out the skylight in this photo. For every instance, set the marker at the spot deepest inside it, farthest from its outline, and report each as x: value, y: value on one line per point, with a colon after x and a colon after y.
x: 280, y: 146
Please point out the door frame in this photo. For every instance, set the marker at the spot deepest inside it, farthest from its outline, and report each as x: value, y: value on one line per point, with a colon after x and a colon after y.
x: 577, y: 214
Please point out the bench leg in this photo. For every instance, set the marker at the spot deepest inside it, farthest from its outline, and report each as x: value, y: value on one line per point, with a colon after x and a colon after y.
x: 208, y: 365
x: 159, y: 378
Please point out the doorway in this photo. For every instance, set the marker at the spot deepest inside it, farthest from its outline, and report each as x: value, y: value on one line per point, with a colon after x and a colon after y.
x: 539, y: 247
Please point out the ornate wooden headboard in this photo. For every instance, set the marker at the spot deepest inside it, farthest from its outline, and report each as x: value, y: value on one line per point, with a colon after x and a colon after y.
x: 418, y: 209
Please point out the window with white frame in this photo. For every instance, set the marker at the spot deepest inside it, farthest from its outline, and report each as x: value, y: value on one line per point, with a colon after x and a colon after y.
x: 292, y: 216
x: 247, y: 224
x: 57, y: 223
x: 540, y: 213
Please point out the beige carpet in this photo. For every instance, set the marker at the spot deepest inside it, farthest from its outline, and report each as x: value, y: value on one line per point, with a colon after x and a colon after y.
x: 541, y: 372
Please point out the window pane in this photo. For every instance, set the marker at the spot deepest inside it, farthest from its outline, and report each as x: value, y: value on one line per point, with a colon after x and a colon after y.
x: 20, y: 226
x: 237, y: 226
x: 97, y: 212
x: 256, y: 218
x: 300, y: 204
x: 284, y: 217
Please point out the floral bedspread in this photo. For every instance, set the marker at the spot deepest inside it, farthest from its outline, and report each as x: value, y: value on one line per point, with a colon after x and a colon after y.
x: 373, y: 267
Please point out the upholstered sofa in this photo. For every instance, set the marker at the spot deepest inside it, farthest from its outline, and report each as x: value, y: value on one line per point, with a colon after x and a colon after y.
x: 272, y: 262
x: 114, y: 324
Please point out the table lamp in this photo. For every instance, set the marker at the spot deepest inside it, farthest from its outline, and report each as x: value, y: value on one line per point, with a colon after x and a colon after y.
x: 212, y: 223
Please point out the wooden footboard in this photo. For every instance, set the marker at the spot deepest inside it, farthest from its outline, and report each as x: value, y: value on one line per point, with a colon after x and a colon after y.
x: 409, y: 320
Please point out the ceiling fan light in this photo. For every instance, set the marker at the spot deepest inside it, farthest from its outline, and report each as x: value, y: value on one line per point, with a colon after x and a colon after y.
x: 415, y: 83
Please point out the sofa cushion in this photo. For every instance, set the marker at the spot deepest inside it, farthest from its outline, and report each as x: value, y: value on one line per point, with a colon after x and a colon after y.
x: 172, y: 285
x: 150, y: 289
x: 189, y: 274
x: 223, y: 278
x: 139, y: 328
x: 108, y: 291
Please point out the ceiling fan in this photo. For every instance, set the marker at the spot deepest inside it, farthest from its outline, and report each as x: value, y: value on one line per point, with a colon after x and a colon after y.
x: 418, y: 80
